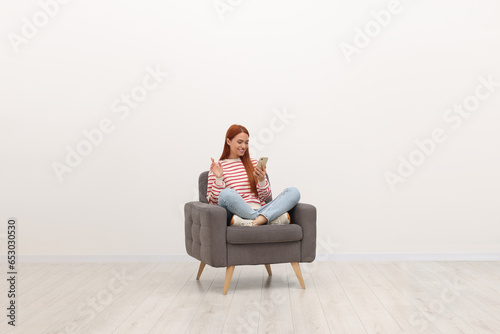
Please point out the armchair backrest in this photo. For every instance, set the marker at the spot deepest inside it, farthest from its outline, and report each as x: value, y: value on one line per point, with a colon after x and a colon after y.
x: 202, y: 187
x: 203, y: 184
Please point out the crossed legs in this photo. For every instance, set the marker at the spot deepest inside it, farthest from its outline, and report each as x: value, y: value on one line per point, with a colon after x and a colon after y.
x: 235, y: 204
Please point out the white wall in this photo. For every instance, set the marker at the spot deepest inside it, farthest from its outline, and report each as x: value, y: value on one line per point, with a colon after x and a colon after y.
x: 350, y: 119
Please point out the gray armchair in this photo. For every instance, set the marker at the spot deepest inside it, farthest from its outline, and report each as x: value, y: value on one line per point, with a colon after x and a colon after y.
x: 210, y: 240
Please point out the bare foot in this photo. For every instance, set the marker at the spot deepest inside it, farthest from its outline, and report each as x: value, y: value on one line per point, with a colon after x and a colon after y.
x: 260, y: 220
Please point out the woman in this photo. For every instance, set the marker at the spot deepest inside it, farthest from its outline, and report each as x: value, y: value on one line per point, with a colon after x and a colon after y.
x: 236, y: 184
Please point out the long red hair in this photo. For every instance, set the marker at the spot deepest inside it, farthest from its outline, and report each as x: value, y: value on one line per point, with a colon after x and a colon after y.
x: 234, y: 130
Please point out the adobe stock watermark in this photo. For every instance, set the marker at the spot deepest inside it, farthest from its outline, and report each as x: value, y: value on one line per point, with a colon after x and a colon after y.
x: 325, y: 251
x: 249, y: 322
x: 436, y: 306
x: 454, y: 117
x: 194, y: 198
x: 30, y: 27
x: 93, y: 305
x: 222, y: 7
x: 325, y: 247
x: 363, y: 37
x: 265, y: 136
x: 121, y: 106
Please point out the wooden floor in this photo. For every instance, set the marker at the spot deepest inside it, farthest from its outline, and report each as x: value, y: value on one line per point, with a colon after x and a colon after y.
x: 340, y: 297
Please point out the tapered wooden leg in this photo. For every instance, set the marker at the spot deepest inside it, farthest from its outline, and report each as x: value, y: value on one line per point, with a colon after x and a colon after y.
x: 200, y: 270
x: 296, y: 268
x: 227, y: 281
x: 268, y: 268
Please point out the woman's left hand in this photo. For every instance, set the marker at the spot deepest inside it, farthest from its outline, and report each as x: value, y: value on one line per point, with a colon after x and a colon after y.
x: 260, y: 174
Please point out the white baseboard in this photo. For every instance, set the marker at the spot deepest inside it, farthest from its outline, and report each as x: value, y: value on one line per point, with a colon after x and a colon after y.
x: 319, y: 257
x: 105, y: 258
x: 409, y: 257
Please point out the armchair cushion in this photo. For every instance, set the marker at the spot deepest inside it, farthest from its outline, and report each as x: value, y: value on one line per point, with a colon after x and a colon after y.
x: 263, y: 234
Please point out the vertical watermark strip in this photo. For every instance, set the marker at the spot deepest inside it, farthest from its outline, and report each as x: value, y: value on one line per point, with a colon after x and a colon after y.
x: 11, y: 270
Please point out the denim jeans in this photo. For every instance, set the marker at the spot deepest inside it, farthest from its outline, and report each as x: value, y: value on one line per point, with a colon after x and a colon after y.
x: 235, y: 204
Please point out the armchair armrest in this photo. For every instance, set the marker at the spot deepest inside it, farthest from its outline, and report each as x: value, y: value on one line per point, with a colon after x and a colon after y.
x: 205, y: 231
x: 305, y: 215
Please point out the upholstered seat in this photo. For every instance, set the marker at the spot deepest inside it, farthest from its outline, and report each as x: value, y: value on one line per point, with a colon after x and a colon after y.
x: 264, y: 234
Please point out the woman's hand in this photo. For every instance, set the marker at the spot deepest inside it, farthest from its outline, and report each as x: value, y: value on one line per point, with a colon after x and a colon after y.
x: 260, y: 174
x: 216, y: 169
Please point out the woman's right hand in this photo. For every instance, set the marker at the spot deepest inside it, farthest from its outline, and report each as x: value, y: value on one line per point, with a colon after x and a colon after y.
x: 216, y: 169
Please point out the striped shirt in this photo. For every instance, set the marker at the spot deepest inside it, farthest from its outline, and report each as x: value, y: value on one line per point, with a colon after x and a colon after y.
x: 235, y: 177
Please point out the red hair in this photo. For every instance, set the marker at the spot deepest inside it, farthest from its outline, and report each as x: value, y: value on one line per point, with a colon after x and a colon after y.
x: 234, y: 130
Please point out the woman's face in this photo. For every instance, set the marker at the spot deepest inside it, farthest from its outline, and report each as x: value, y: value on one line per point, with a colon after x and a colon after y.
x: 238, y: 146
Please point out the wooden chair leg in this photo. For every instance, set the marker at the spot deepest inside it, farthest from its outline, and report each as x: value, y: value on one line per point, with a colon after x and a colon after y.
x: 200, y: 270
x: 227, y: 281
x: 298, y: 273
x: 268, y: 268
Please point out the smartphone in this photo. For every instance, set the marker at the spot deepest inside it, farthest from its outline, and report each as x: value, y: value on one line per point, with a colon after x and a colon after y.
x: 262, y: 162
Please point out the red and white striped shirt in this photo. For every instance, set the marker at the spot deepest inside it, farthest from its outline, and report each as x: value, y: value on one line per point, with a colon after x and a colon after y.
x: 235, y: 177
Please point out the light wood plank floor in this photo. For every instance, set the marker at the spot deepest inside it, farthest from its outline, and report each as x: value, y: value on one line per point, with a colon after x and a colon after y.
x: 340, y: 297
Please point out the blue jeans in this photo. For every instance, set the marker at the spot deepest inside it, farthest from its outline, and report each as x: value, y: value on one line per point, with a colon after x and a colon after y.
x: 235, y: 204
